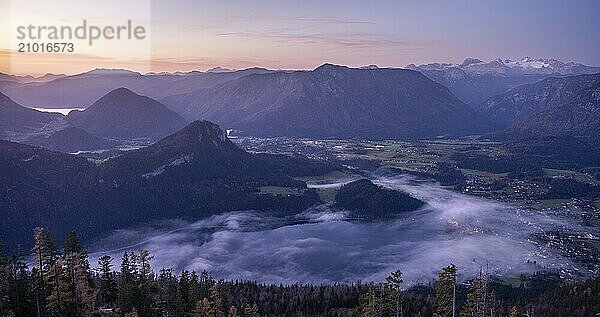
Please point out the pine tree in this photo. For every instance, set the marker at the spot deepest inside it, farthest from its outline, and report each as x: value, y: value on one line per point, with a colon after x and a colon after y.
x: 46, y: 255
x: 167, y: 290
x: 144, y: 298
x: 445, y: 290
x: 78, y: 273
x: 203, y: 309
x: 126, y: 284
x: 194, y: 287
x: 72, y: 243
x: 20, y: 281
x: 480, y: 300
x: 206, y: 283
x: 186, y: 303
x: 84, y: 295
x: 59, y: 299
x: 108, y: 285
x: 394, y: 282
x: 372, y: 303
x: 217, y: 300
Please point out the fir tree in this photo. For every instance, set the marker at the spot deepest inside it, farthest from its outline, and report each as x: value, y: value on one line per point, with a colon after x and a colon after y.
x: 46, y: 255
x: 394, y: 282
x: 108, y: 285
x: 78, y: 273
x: 480, y: 300
x: 372, y: 303
x: 59, y: 299
x: 145, y: 284
x: 167, y: 290
x: 84, y: 295
x: 126, y: 284
x: 203, y: 309
x: 217, y: 300
x: 445, y: 292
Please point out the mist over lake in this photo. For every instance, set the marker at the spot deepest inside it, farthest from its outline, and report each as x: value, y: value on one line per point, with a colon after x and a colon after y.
x: 321, y: 245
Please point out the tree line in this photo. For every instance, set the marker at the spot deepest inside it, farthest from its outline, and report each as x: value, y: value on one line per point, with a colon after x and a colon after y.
x: 61, y: 282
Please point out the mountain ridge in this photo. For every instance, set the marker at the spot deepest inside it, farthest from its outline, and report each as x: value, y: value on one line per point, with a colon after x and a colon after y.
x: 332, y: 101
x: 123, y: 114
x: 191, y: 174
x: 576, y: 115
x: 522, y: 102
x: 475, y: 81
x: 16, y: 120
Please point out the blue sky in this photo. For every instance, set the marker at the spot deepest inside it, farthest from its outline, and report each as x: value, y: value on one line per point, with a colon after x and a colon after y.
x: 392, y: 33
x: 190, y: 34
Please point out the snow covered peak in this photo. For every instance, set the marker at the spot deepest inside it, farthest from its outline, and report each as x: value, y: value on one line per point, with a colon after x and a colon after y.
x: 470, y: 61
x: 219, y: 69
x: 504, y: 67
x: 372, y: 66
x: 528, y: 62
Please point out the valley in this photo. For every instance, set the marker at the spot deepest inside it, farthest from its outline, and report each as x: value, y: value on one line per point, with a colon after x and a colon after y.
x: 422, y: 159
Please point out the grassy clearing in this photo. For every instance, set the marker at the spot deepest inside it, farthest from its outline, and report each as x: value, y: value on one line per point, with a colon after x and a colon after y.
x: 484, y: 174
x: 330, y: 177
x: 581, y: 177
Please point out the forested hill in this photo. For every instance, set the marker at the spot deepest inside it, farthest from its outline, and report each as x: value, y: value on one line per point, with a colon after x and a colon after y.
x: 190, y: 174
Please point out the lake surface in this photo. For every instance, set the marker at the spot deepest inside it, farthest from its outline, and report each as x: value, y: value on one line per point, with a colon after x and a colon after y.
x: 64, y: 111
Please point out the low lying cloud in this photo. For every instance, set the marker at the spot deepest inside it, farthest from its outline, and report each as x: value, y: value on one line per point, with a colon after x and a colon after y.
x: 325, y: 246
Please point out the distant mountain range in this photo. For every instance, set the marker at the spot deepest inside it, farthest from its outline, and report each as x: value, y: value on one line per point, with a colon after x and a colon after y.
x: 190, y: 174
x: 474, y: 81
x: 123, y: 114
x: 329, y: 101
x: 81, y: 90
x: 333, y: 101
x: 506, y: 67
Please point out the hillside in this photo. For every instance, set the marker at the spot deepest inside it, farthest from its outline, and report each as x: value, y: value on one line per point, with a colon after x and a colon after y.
x: 333, y: 101
x: 578, y: 115
x: 16, y: 120
x: 123, y: 114
x: 70, y: 140
x: 191, y: 174
x: 524, y: 101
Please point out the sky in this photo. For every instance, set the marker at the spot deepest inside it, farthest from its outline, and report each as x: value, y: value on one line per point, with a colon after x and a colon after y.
x: 184, y: 35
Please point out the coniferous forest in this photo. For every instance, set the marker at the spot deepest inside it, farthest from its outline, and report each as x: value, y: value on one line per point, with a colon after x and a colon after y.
x: 62, y: 282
